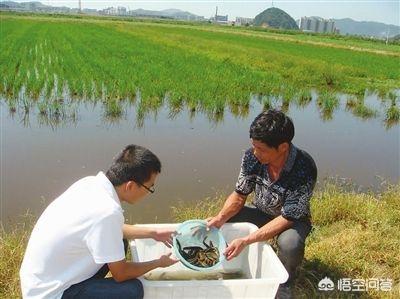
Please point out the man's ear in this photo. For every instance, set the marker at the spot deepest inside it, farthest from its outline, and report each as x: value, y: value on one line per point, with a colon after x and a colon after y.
x: 130, y: 185
x: 283, y: 147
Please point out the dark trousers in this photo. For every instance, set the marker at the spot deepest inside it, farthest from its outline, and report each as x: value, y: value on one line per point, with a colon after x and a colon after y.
x: 99, y: 287
x: 291, y: 242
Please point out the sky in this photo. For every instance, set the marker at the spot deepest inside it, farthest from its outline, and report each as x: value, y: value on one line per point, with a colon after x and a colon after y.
x: 384, y: 11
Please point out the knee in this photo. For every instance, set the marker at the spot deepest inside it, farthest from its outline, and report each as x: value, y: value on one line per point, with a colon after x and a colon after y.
x: 290, y: 244
x: 290, y: 252
x: 134, y: 289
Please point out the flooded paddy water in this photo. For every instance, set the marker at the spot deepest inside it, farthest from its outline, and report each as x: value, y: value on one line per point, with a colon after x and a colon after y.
x: 42, y: 154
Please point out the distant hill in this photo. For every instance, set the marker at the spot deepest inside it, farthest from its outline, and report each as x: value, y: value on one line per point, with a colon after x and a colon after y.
x: 24, y: 5
x: 36, y: 6
x: 366, y: 28
x: 171, y: 13
x: 276, y: 18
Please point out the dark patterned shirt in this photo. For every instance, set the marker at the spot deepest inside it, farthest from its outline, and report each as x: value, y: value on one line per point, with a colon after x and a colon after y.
x: 290, y: 195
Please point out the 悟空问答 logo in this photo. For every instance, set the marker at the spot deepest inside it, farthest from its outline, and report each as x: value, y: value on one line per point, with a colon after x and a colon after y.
x: 326, y: 284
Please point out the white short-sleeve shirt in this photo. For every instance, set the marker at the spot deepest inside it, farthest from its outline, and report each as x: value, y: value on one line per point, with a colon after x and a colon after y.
x: 77, y: 233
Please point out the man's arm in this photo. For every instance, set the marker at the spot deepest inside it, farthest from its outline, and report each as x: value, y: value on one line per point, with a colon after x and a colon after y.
x: 139, y: 232
x: 268, y: 231
x: 231, y: 207
x: 123, y: 270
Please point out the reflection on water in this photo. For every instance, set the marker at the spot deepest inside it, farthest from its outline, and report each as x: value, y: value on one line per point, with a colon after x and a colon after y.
x: 53, y: 111
x: 46, y: 146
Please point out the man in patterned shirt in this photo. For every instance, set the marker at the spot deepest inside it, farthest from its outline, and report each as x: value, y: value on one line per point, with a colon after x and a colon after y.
x: 282, y: 178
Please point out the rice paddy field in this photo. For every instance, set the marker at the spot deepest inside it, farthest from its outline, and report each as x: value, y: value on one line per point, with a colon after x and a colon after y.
x: 49, y: 61
x: 343, y: 93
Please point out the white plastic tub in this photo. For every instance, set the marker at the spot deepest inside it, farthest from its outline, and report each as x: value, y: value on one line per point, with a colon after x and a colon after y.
x: 260, y: 269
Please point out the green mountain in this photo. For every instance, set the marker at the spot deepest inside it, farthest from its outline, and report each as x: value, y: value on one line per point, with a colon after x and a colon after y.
x: 366, y: 28
x: 276, y: 18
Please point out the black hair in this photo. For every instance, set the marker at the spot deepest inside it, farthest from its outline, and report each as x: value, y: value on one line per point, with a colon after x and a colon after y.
x: 272, y: 127
x: 134, y: 163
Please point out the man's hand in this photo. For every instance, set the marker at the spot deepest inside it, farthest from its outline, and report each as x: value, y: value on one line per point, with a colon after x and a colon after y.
x: 231, y: 207
x: 166, y: 260
x: 123, y: 270
x: 234, y: 248
x: 215, y: 221
x: 200, y: 232
x: 164, y: 235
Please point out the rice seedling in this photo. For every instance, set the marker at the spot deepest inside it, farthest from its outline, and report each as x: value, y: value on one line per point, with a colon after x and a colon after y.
x: 266, y: 102
x: 392, y: 111
x: 12, y: 105
x: 24, y: 101
x: 393, y: 96
x: 327, y: 103
x: 42, y: 106
x: 113, y: 109
x: 303, y: 98
x: 392, y: 114
x: 359, y: 109
x: 240, y: 110
x: 56, y: 109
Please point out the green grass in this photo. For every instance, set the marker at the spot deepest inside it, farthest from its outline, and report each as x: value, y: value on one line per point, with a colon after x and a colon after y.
x: 202, y: 67
x: 12, y: 247
x: 355, y: 235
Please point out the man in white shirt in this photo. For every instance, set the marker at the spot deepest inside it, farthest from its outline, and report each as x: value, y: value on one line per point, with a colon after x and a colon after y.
x: 79, y: 236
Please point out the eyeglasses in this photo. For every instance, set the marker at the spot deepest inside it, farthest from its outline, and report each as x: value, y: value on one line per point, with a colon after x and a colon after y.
x: 150, y: 189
